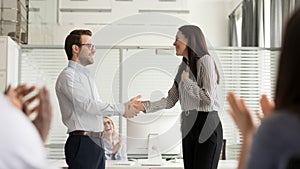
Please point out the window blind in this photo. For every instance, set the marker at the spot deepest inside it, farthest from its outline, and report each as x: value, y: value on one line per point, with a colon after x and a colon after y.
x: 249, y: 72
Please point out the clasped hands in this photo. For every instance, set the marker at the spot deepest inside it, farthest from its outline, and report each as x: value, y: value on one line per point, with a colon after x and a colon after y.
x: 133, y: 107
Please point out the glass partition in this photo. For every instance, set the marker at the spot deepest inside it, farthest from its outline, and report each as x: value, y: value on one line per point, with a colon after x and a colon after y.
x: 248, y: 71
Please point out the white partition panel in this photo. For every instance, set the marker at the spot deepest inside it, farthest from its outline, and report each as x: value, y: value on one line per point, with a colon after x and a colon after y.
x: 9, y: 65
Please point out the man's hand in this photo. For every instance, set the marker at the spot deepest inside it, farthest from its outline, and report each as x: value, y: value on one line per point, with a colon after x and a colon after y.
x: 130, y: 110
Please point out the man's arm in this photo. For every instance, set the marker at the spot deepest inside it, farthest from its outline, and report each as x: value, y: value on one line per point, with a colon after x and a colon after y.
x: 73, y: 90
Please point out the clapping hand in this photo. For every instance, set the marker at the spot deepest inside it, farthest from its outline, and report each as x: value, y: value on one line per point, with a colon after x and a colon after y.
x: 240, y: 114
x: 44, y: 117
x: 244, y: 121
x: 267, y: 106
x: 17, y: 96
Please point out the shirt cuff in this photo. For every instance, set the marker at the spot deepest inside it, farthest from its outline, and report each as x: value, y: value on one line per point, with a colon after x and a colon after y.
x: 147, y: 107
x: 121, y: 108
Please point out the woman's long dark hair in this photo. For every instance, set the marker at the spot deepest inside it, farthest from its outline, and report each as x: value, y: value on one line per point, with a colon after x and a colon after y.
x: 287, y: 95
x: 197, y: 48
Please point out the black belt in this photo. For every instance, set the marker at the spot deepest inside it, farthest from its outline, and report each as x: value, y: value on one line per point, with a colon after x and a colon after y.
x: 86, y: 133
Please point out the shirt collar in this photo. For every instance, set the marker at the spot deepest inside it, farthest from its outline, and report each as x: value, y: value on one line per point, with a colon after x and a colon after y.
x: 77, y: 66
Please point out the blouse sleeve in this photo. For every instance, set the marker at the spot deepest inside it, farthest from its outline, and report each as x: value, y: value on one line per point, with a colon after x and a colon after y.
x: 164, y: 103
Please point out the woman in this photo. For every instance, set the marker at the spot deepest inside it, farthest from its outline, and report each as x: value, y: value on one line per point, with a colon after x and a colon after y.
x: 277, y: 139
x: 115, y: 149
x: 195, y: 86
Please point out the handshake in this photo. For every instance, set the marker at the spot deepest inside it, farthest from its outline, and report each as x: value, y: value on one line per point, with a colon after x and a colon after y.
x: 133, y: 107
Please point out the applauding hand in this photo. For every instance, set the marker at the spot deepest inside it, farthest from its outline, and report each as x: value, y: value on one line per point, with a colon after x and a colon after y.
x: 267, y: 106
x: 240, y: 114
x: 18, y: 95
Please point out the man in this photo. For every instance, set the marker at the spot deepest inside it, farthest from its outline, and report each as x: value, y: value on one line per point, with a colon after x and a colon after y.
x: 82, y: 110
x: 22, y: 139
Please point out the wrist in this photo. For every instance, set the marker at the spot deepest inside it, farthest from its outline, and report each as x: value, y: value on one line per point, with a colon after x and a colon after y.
x: 144, y: 105
x: 248, y: 135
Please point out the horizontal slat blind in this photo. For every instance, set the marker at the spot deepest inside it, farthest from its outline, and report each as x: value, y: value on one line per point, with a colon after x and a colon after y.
x: 248, y: 71
x: 41, y: 67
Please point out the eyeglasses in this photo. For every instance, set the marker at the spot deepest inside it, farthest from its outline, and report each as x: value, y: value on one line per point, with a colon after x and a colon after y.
x: 89, y: 45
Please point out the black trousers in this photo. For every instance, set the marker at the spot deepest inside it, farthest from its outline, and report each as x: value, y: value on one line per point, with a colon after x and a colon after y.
x: 201, y: 152
x: 84, y: 152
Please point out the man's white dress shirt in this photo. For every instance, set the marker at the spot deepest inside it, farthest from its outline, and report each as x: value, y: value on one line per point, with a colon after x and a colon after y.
x: 80, y: 105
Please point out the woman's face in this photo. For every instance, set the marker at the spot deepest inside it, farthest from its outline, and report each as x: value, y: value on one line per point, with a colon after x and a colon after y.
x: 181, y: 44
x: 108, y: 126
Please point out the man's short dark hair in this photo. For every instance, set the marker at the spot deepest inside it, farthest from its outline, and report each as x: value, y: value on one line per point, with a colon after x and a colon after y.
x: 74, y: 38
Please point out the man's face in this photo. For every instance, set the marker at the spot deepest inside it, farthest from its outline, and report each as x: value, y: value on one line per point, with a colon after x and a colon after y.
x: 87, y: 51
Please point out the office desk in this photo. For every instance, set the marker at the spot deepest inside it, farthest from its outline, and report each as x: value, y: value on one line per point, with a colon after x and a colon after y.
x: 223, y: 164
x: 113, y: 164
x: 138, y: 165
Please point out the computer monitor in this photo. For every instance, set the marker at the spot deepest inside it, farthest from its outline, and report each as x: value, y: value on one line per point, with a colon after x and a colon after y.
x: 160, y: 133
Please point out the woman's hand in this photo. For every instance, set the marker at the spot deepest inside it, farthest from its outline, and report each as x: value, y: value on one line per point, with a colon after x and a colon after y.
x: 244, y: 121
x: 117, y: 146
x: 241, y: 114
x: 139, y: 106
x: 185, y: 75
x: 267, y: 107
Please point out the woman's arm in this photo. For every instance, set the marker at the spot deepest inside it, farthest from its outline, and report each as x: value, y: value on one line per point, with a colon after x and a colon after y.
x: 164, y: 103
x: 117, y: 146
x: 206, y: 78
x: 244, y: 121
x: 119, y: 150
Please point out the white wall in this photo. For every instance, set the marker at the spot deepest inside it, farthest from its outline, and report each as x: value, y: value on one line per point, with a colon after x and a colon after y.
x: 50, y: 26
x: 9, y: 62
x: 212, y: 17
